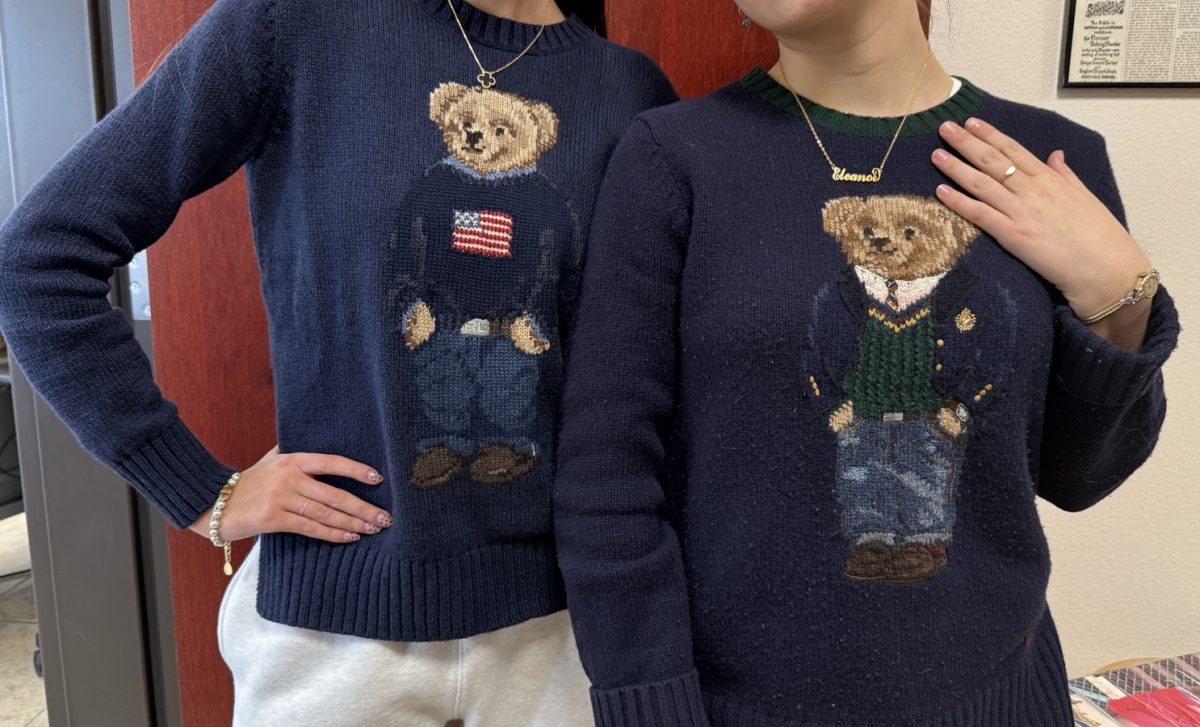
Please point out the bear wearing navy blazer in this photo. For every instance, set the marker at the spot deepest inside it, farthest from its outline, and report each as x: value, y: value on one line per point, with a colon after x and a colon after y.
x: 901, y: 362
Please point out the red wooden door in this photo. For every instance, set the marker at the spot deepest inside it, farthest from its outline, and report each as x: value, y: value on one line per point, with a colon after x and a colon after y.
x: 211, y: 357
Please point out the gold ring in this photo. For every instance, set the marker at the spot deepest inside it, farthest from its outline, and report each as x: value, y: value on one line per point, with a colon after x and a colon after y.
x: 307, y: 502
x: 1008, y: 173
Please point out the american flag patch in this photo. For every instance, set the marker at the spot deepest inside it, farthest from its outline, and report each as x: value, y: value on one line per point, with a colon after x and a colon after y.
x: 483, y: 232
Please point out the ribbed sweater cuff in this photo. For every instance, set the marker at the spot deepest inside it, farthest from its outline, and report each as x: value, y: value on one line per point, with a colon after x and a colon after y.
x: 175, y: 472
x: 1093, y: 369
x: 673, y: 703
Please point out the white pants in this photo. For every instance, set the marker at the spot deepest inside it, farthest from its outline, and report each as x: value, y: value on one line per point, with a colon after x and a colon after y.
x: 526, y: 675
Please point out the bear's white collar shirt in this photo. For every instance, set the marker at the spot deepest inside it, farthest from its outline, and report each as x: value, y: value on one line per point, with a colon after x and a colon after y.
x: 907, y: 291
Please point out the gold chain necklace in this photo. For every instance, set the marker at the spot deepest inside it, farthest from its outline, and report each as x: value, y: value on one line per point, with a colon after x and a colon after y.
x: 487, y: 79
x: 840, y: 174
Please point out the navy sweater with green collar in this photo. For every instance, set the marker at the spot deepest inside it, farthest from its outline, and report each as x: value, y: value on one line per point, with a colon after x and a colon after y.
x: 376, y: 178
x: 806, y: 421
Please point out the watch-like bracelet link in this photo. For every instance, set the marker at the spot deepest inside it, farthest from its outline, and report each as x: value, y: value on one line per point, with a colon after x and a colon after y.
x: 1145, y: 287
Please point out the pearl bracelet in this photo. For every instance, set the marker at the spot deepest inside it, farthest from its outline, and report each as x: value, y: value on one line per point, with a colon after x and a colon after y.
x: 214, y: 521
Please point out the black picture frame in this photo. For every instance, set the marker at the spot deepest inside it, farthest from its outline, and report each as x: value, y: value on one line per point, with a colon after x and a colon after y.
x: 1065, y: 70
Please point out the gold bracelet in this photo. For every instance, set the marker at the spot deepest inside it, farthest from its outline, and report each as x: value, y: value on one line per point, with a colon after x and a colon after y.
x: 214, y: 521
x: 1144, y: 289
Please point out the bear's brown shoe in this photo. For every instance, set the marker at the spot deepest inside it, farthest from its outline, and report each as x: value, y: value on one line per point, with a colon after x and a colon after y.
x: 868, y: 562
x: 500, y: 464
x: 436, y: 466
x: 915, y: 562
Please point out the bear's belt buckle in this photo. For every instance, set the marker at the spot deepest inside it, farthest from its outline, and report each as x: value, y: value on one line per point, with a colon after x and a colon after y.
x: 893, y: 416
x: 476, y: 327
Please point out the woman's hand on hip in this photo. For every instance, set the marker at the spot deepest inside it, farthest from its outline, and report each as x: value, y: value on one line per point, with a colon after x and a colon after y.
x: 280, y: 495
x: 1043, y: 214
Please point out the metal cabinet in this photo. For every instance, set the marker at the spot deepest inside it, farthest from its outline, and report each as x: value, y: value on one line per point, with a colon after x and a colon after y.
x: 99, y: 553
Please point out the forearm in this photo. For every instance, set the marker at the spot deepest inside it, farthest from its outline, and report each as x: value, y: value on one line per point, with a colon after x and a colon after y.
x: 1105, y: 406
x: 1126, y: 327
x: 194, y: 121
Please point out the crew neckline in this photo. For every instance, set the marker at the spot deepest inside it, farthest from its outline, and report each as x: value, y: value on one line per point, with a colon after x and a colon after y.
x: 504, y: 34
x: 958, y: 107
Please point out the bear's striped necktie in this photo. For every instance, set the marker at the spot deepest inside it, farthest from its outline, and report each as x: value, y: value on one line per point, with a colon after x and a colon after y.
x: 893, y: 301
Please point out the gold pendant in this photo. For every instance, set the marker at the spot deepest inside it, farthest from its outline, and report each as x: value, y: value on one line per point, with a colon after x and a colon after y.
x: 228, y: 569
x: 486, y: 80
x: 841, y: 175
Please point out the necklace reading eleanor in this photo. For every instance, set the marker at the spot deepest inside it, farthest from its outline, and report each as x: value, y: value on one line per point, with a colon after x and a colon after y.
x: 487, y: 79
x: 841, y: 174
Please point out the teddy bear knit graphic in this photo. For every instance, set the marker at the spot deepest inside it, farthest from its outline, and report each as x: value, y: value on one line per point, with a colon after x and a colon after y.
x: 892, y: 390
x: 471, y: 282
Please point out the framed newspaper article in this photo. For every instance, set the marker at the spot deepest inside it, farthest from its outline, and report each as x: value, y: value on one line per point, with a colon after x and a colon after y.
x: 1132, y: 43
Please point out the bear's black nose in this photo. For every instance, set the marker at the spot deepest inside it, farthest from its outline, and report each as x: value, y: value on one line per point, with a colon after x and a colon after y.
x: 880, y: 242
x: 474, y: 137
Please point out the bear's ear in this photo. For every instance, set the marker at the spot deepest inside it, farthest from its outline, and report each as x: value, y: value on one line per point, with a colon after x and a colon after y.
x: 547, y: 124
x: 443, y: 99
x: 964, y: 231
x: 840, y: 213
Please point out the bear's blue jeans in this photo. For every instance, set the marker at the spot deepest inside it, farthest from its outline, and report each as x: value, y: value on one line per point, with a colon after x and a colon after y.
x: 896, y: 481
x: 476, y: 391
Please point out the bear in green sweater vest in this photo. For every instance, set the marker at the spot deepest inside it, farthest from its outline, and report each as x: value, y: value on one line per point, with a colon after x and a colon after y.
x: 902, y: 391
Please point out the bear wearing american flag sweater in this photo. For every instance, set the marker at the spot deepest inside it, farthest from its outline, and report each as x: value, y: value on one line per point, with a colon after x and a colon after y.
x: 472, y: 279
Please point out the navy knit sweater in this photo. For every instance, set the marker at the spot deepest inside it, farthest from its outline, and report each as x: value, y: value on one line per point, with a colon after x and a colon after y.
x: 377, y: 179
x: 806, y: 422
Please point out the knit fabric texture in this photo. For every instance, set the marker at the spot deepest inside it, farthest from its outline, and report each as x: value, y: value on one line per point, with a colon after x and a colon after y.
x: 419, y: 243
x: 806, y: 422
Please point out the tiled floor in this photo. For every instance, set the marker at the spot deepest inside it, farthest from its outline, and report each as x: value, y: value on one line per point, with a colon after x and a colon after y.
x: 22, y: 697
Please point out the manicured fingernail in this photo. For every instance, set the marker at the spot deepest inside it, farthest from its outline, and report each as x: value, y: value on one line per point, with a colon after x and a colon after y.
x: 974, y: 123
x: 371, y: 528
x: 351, y: 537
x: 384, y: 519
x: 951, y: 128
x: 941, y: 155
x: 374, y: 476
x: 943, y: 190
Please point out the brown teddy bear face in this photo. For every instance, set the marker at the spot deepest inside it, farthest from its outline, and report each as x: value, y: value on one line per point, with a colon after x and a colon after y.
x: 899, y: 236
x: 492, y: 131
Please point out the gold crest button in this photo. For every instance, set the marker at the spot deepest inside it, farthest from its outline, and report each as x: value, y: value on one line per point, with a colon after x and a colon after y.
x: 965, y: 320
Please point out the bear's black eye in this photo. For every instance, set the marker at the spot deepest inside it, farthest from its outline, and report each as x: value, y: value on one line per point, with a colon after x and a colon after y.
x: 909, y: 233
x: 869, y: 231
x: 499, y: 131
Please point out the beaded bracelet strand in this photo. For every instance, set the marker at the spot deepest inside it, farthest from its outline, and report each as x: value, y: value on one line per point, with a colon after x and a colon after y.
x: 214, y: 521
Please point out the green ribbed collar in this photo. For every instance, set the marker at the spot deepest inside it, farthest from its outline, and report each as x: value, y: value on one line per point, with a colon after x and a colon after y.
x: 958, y: 108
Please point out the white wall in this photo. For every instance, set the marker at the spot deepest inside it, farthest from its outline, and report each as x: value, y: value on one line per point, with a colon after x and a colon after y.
x: 1126, y: 573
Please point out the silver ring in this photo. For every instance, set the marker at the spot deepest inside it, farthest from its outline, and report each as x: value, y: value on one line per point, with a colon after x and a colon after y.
x: 307, y: 502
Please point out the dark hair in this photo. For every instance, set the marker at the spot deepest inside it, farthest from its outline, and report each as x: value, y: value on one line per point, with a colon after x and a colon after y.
x: 589, y: 11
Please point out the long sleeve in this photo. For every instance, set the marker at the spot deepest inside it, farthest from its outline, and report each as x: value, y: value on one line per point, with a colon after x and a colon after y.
x: 620, y: 558
x: 1105, y: 406
x: 201, y: 114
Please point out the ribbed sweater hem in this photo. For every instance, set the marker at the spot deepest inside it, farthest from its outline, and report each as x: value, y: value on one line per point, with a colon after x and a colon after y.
x: 365, y: 590
x: 1031, y: 691
x: 175, y: 472
x: 670, y: 703
x: 1098, y: 371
